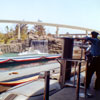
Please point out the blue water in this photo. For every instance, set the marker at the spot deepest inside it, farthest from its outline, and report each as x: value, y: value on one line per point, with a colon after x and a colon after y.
x: 16, y: 55
x: 9, y: 55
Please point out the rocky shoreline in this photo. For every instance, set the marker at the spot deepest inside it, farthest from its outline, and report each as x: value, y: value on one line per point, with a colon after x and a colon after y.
x: 11, y: 48
x: 54, y: 46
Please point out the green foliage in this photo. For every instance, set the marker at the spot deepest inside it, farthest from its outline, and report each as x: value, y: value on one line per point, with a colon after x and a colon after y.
x: 23, y: 36
x: 1, y: 38
x: 12, y: 34
x: 39, y: 29
x: 23, y: 28
x: 7, y: 38
x: 23, y: 31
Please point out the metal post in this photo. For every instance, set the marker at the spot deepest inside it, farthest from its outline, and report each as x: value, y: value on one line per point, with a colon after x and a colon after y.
x: 78, y: 82
x: 46, y: 89
x: 85, y: 90
x: 78, y: 76
x: 75, y: 72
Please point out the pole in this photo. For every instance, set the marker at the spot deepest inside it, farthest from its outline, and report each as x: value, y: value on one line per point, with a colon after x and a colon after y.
x: 46, y: 89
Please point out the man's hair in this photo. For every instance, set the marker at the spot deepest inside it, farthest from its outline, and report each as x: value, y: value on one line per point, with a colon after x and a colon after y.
x: 94, y: 33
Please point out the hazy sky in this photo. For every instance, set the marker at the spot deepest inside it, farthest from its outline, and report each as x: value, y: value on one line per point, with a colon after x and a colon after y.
x: 84, y: 13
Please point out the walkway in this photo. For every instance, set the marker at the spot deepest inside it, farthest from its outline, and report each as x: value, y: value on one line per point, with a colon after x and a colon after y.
x: 69, y: 93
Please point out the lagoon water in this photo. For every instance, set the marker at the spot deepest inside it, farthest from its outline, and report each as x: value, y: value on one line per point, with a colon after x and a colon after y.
x: 9, y: 55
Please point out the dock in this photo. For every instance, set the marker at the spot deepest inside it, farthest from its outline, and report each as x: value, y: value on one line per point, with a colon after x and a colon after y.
x: 69, y: 93
x: 66, y: 93
x: 70, y: 89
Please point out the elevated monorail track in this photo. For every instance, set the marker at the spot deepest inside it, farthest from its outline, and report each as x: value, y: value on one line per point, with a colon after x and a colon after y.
x: 47, y: 24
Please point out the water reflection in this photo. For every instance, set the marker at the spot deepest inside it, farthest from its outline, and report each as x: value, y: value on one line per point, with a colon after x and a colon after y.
x: 16, y: 65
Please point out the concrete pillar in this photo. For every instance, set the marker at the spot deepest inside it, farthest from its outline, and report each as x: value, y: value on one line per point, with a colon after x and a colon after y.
x: 86, y: 33
x: 19, y: 35
x: 57, y: 29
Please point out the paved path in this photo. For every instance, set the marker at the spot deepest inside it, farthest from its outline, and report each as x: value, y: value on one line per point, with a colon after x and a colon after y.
x: 69, y: 93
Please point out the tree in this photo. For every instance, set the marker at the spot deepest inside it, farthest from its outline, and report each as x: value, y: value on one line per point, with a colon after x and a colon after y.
x: 7, y: 29
x: 39, y: 29
x: 23, y: 31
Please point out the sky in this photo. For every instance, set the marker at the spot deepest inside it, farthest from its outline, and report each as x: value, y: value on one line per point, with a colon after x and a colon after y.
x: 83, y: 13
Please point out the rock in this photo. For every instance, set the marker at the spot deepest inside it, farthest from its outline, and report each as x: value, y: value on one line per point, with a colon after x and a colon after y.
x: 54, y: 44
x: 11, y: 48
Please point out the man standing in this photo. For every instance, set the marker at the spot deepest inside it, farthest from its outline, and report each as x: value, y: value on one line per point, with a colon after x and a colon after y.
x: 94, y: 65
